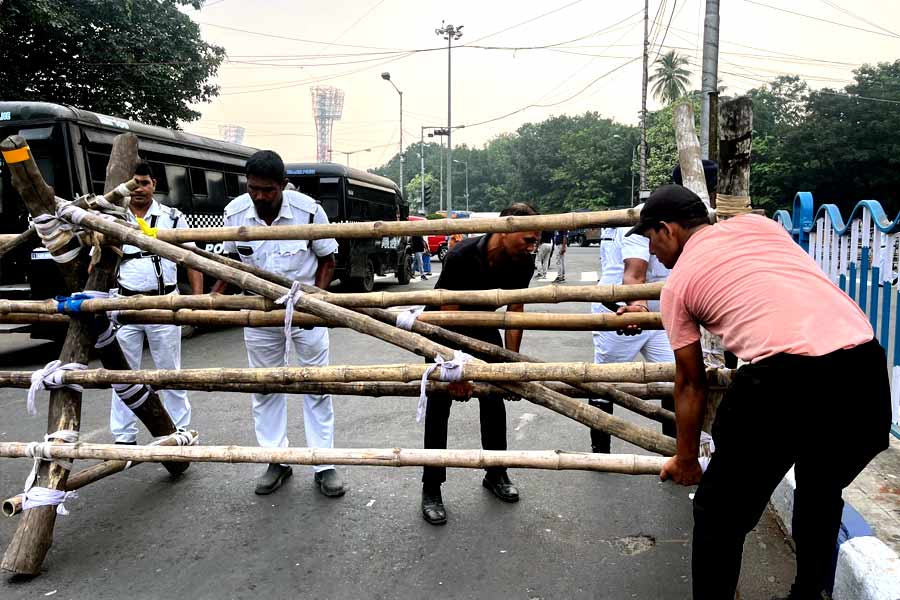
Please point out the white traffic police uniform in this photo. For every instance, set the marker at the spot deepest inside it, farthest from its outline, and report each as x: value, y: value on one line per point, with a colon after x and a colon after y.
x: 609, y: 346
x: 148, y: 274
x: 297, y: 260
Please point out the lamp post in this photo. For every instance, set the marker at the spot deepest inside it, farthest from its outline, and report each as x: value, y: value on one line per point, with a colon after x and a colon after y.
x: 387, y: 77
x: 466, y: 164
x: 631, y: 167
x: 347, y: 154
x: 449, y: 33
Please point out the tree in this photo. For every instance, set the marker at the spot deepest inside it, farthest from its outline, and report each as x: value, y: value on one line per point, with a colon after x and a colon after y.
x: 138, y: 59
x: 671, y: 79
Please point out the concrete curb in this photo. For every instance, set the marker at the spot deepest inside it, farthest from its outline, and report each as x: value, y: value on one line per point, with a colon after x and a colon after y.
x: 866, y: 568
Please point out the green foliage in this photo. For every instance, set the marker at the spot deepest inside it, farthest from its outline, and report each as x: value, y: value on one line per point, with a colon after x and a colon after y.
x: 671, y: 78
x: 561, y: 164
x: 138, y: 59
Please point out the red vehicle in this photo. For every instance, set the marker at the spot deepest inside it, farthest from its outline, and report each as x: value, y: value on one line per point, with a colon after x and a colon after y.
x: 437, y: 244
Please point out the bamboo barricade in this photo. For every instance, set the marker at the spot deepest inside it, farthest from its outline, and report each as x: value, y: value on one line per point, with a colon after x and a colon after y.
x: 33, y: 537
x: 274, y: 318
x: 479, y: 347
x: 548, y: 294
x: 628, y: 464
x: 378, y: 229
x: 500, y: 373
x: 582, y: 412
x: 13, y: 506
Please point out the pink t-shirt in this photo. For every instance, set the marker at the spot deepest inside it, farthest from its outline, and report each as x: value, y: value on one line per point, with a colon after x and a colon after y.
x: 746, y: 280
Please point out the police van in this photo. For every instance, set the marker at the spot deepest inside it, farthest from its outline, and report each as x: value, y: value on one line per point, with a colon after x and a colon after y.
x: 350, y: 195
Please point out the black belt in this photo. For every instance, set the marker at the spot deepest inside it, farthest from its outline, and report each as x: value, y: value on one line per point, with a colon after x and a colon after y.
x: 607, y: 239
x: 124, y: 291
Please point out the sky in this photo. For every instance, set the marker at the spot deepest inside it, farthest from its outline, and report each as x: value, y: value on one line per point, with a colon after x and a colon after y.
x: 518, y: 61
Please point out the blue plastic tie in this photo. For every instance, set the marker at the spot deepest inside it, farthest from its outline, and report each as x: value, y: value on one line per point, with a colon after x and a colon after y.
x: 70, y: 304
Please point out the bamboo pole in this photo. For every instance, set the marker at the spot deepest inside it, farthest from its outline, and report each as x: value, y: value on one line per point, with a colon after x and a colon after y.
x: 13, y: 506
x: 13, y: 241
x: 377, y: 229
x: 469, y: 344
x: 692, y: 175
x: 582, y: 412
x: 469, y: 319
x: 652, y: 390
x: 628, y: 464
x: 548, y: 294
x: 636, y: 372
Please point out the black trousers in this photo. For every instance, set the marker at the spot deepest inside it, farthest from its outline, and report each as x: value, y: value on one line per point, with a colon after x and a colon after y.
x: 493, y: 431
x: 600, y: 440
x: 828, y: 416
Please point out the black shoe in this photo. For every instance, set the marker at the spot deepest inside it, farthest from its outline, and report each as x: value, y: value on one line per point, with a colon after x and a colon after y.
x: 126, y: 443
x: 797, y: 595
x: 600, y: 449
x: 502, y: 487
x: 330, y: 483
x: 433, y: 509
x: 272, y: 479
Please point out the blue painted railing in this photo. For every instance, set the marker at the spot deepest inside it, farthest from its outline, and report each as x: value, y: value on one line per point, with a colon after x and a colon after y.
x: 860, y: 256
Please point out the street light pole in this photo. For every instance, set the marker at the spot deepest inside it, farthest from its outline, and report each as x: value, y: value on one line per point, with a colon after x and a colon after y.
x: 466, y: 165
x: 449, y: 33
x: 422, y: 166
x: 347, y: 154
x: 387, y: 77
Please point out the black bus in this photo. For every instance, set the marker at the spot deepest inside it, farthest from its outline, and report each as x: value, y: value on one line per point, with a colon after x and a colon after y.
x: 196, y: 175
x: 350, y: 195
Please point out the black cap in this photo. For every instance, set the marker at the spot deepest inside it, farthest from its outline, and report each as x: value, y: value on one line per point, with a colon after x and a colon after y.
x: 669, y: 203
x: 710, y: 172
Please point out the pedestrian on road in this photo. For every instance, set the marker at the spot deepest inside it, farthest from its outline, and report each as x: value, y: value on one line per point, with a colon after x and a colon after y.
x: 542, y: 260
x: 627, y: 260
x: 147, y: 274
x: 417, y: 245
x: 495, y: 260
x: 311, y: 262
x: 560, y: 243
x: 747, y: 281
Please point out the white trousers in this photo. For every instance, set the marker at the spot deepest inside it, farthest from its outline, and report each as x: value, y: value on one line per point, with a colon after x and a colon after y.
x: 542, y: 262
x: 165, y: 349
x: 265, y: 348
x: 610, y: 347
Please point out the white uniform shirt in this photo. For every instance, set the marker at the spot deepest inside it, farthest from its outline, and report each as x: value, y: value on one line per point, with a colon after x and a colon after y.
x: 290, y: 258
x: 614, y: 253
x: 139, y: 274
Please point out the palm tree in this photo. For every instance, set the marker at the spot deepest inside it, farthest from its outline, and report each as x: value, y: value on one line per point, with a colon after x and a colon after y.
x: 671, y: 79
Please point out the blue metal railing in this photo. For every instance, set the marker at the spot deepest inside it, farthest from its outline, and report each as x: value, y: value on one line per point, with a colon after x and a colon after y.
x: 860, y: 259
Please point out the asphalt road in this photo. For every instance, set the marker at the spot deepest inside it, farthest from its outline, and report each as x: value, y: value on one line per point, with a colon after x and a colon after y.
x: 574, y: 534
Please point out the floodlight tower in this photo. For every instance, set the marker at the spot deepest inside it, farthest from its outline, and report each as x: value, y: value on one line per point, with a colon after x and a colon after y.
x: 232, y: 133
x: 327, y: 104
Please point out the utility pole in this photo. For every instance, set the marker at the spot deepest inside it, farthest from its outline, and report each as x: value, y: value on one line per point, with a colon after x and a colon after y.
x: 387, y: 77
x: 644, y: 99
x: 449, y: 33
x: 710, y: 80
x: 422, y: 166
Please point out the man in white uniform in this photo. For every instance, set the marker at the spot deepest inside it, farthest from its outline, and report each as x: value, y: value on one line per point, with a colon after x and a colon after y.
x: 311, y: 262
x: 150, y: 275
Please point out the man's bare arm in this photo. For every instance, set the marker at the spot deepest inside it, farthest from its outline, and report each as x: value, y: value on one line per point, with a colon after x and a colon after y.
x: 513, y: 337
x: 690, y: 408
x: 325, y: 272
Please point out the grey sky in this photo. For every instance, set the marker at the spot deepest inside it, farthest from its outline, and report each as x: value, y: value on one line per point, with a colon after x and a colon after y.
x: 348, y: 43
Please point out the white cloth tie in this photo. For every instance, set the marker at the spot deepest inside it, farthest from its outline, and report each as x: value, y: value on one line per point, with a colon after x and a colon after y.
x: 50, y: 378
x: 451, y: 370
x: 407, y: 318
x: 707, y: 447
x: 55, y: 234
x: 289, y: 300
x: 33, y: 497
x: 182, y: 437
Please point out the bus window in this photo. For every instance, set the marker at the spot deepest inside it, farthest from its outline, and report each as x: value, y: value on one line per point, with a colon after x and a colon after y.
x: 215, y: 200
x: 97, y: 162
x: 232, y: 187
x: 242, y: 184
x: 198, y: 182
x: 179, y: 192
x: 330, y: 196
x: 159, y: 173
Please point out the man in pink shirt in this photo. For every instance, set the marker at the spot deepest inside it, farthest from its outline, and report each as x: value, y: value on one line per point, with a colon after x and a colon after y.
x: 814, y: 395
